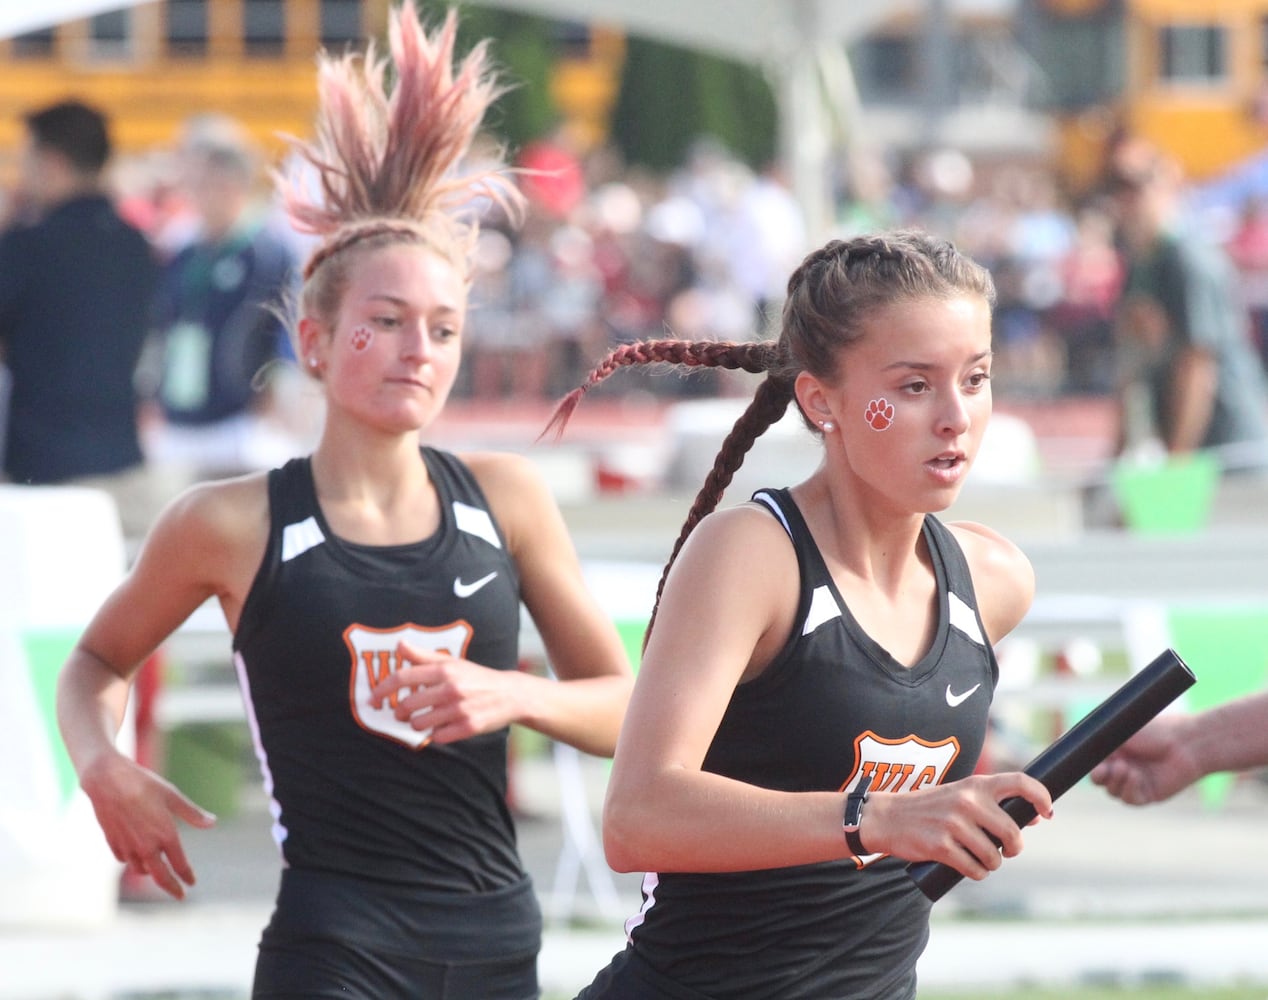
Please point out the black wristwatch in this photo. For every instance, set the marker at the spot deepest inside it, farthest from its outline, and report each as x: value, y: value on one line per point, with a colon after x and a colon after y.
x: 853, y: 817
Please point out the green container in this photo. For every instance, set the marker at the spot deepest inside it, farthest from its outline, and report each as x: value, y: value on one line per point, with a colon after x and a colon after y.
x: 1173, y: 497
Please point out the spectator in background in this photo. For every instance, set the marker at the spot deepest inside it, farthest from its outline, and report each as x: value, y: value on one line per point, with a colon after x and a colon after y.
x: 76, y: 283
x: 867, y: 198
x: 507, y: 332
x: 570, y: 308
x: 1248, y: 247
x: 616, y: 222
x: 1182, y: 329
x: 217, y: 316
x: 148, y: 196
x: 1091, y: 282
x: 551, y: 175
x: 770, y: 239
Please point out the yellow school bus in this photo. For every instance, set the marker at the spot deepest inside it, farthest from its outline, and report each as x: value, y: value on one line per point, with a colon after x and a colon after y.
x: 1190, y: 75
x: 152, y: 65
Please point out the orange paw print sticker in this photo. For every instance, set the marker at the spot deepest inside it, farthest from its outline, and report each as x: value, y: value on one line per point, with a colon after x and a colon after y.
x: 361, y: 338
x: 880, y: 414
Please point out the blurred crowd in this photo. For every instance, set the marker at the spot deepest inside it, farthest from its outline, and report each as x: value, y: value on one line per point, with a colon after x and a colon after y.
x: 613, y: 254
x: 606, y: 254
x: 610, y: 254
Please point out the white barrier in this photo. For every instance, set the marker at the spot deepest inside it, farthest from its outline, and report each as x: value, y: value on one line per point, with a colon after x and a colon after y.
x: 61, y: 552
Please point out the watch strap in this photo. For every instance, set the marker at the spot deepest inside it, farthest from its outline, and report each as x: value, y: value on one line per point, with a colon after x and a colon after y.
x: 853, y: 817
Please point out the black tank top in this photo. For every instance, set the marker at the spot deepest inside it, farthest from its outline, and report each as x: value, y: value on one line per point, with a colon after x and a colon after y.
x: 831, y: 710
x: 353, y: 790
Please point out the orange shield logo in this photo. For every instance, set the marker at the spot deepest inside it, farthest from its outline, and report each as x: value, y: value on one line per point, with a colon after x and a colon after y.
x: 899, y: 766
x: 374, y: 657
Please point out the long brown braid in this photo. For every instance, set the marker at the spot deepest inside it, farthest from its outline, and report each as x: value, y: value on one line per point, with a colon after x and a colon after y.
x: 830, y: 296
x: 769, y: 403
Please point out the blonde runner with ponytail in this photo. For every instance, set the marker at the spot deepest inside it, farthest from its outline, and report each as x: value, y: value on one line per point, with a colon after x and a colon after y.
x: 374, y: 587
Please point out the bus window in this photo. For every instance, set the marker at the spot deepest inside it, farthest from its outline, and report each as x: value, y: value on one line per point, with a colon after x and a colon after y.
x: 110, y: 35
x: 187, y: 27
x: 340, y: 23
x: 1193, y: 53
x: 264, y: 27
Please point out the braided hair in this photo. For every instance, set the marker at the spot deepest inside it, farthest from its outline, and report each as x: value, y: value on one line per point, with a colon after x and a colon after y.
x: 830, y: 296
x: 387, y: 158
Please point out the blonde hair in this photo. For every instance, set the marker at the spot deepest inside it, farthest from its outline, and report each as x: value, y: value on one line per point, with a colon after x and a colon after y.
x: 387, y: 158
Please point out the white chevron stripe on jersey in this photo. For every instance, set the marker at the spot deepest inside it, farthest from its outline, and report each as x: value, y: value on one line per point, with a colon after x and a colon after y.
x: 475, y: 521
x: 823, y: 608
x: 299, y: 537
x: 764, y: 497
x: 964, y: 618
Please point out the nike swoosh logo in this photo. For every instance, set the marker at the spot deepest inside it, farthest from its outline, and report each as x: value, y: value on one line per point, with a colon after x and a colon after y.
x: 955, y: 700
x: 461, y: 589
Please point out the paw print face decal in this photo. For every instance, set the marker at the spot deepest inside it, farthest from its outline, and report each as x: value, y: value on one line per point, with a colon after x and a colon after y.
x: 880, y: 414
x: 361, y: 338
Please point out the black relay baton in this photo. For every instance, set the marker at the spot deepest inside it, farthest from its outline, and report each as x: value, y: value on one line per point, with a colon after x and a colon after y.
x: 1073, y: 755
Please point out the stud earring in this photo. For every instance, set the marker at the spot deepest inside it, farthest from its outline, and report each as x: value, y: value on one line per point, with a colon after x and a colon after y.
x: 828, y: 426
